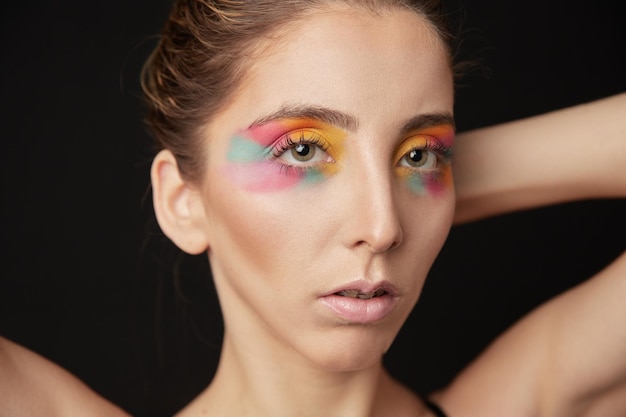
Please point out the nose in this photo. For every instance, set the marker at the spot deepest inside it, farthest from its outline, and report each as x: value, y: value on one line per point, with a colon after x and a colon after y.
x: 373, y: 220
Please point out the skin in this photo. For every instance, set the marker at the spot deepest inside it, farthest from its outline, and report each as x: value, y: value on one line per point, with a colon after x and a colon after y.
x: 487, y: 186
x: 31, y: 385
x: 275, y: 251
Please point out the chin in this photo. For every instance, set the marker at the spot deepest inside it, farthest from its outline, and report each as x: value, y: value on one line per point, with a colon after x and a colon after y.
x: 350, y: 349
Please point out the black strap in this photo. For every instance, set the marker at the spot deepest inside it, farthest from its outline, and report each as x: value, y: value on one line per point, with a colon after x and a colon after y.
x: 433, y: 407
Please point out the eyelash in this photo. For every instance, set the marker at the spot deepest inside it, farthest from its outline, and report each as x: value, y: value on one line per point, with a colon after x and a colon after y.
x: 287, y: 142
x: 442, y: 152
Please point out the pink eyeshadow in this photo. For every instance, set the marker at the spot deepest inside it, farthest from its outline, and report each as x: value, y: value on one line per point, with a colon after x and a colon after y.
x: 265, y: 134
x: 261, y: 177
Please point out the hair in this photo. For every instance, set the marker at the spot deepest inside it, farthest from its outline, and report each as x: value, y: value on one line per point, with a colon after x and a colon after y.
x: 204, y: 51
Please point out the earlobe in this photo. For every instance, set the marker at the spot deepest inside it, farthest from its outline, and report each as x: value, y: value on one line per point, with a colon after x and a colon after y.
x: 177, y: 205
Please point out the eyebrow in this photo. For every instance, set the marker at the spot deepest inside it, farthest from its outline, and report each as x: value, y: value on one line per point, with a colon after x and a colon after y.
x: 349, y: 122
x: 427, y: 120
x: 323, y: 114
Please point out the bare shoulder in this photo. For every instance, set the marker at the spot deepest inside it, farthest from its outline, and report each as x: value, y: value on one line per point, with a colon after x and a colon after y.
x: 502, y: 380
x: 566, y: 358
x: 32, y: 385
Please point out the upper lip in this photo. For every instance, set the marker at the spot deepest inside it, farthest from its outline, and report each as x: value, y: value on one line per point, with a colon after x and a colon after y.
x: 365, y: 287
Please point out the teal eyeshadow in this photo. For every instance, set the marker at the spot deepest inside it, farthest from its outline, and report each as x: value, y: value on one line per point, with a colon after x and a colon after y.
x: 313, y: 175
x: 245, y: 150
x: 416, y: 184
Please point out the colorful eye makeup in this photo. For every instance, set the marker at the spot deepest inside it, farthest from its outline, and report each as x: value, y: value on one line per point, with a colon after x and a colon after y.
x: 288, y: 153
x: 423, y: 160
x: 284, y: 153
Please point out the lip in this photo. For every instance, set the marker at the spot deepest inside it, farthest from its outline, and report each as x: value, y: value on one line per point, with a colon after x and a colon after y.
x: 361, y: 311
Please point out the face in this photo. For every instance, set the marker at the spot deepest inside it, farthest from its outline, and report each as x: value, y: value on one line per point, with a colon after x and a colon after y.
x: 328, y: 190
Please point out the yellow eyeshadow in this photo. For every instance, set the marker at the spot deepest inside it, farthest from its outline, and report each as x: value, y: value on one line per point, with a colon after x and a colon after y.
x: 331, y: 137
x: 415, y: 142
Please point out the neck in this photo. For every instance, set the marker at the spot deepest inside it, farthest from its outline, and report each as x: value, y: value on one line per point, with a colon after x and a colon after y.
x: 260, y: 384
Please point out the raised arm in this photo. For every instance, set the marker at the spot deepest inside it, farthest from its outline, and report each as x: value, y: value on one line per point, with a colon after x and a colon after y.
x: 565, y: 359
x: 569, y: 154
x: 568, y: 357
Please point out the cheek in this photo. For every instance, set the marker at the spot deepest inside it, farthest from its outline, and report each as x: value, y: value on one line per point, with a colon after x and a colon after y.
x: 246, y: 238
x: 260, y: 233
x: 260, y: 177
x: 269, y: 176
x: 427, y: 223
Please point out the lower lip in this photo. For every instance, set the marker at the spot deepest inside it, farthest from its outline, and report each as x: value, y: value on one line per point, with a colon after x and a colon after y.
x: 357, y: 310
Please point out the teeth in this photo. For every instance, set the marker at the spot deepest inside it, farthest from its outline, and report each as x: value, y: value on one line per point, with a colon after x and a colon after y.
x: 362, y: 295
x: 350, y: 293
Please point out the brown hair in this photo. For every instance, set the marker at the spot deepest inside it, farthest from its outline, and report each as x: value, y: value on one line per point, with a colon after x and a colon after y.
x: 203, y: 53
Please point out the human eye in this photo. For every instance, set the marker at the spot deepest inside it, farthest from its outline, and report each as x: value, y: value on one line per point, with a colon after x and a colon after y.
x: 423, y: 153
x: 302, y: 148
x: 420, y: 158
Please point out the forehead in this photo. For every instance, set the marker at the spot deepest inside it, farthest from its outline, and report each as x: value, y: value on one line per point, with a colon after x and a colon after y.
x: 377, y: 67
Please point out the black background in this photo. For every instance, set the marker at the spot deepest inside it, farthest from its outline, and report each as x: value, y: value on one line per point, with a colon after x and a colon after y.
x: 86, y: 279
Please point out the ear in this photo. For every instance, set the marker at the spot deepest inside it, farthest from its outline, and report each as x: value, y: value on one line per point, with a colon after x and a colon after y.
x: 177, y: 205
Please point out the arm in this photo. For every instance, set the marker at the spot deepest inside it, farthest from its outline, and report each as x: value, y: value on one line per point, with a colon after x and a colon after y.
x: 570, y: 154
x: 568, y: 357
x: 565, y: 359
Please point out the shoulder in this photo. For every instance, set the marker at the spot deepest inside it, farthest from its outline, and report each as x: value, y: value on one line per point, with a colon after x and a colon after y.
x: 565, y: 358
x: 32, y: 385
x: 504, y: 380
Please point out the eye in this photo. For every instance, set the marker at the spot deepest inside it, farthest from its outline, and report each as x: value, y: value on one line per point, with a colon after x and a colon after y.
x: 420, y: 158
x: 302, y: 148
x: 302, y: 152
x: 423, y: 153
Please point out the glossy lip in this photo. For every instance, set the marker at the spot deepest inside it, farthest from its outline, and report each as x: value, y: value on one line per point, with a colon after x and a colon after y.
x: 360, y: 311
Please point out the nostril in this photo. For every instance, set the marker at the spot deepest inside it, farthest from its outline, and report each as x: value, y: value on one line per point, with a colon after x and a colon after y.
x: 380, y: 244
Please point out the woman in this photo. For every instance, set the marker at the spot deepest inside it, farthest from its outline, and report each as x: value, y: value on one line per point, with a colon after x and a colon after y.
x: 314, y: 278
x: 316, y: 174
x: 307, y: 152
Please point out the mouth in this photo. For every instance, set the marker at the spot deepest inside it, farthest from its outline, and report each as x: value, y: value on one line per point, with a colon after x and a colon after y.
x: 362, y: 302
x: 365, y: 290
x: 362, y: 295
